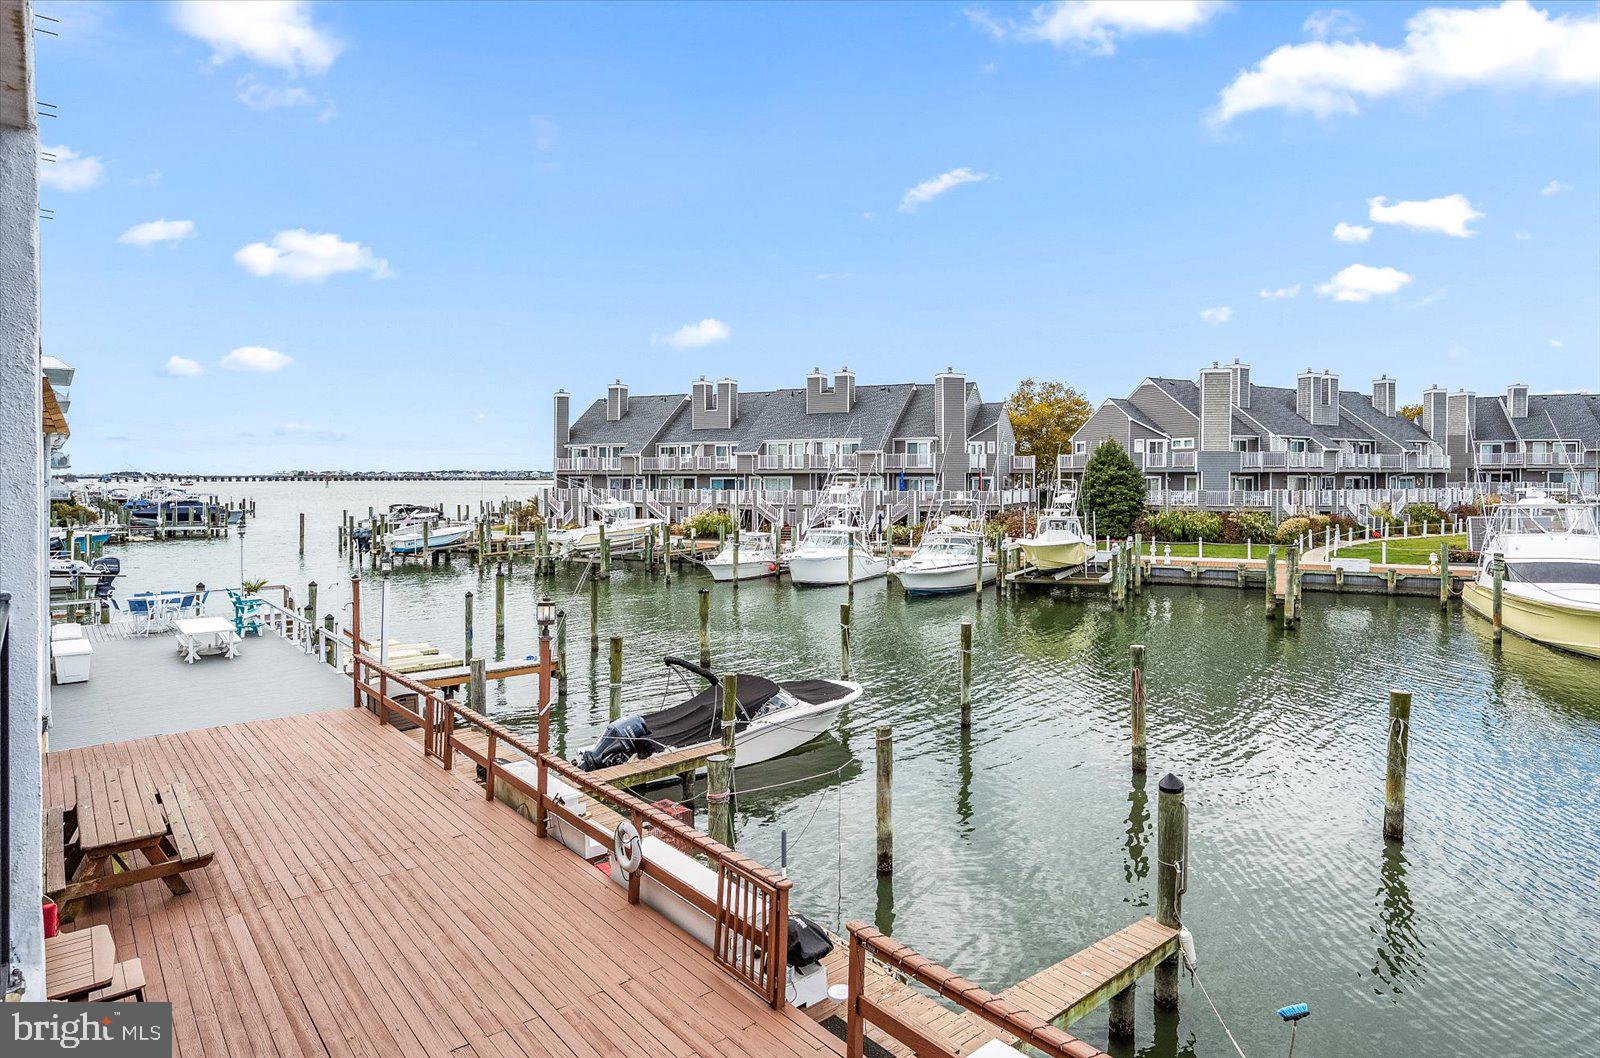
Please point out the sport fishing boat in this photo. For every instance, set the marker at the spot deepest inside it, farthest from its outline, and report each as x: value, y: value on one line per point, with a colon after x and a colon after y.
x: 771, y: 719
x: 623, y: 529
x: 410, y: 540
x: 755, y: 558
x: 1550, y: 590
x: 1059, y: 541
x: 399, y: 518
x: 947, y: 559
x: 833, y: 550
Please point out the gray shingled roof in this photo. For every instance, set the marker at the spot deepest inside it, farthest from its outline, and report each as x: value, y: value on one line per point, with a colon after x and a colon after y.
x: 1273, y: 408
x: 1183, y: 390
x: 1489, y: 421
x: 1563, y: 416
x: 984, y: 417
x: 1131, y: 411
x: 780, y: 414
x: 646, y: 415
x: 1397, y: 428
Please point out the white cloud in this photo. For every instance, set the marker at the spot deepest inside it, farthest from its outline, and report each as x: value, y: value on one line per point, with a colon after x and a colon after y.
x: 183, y: 367
x: 1555, y: 187
x: 153, y: 231
x: 259, y: 96
x: 929, y: 190
x: 1362, y: 282
x: 276, y: 33
x: 1449, y: 215
x: 1334, y: 22
x: 302, y: 256
x: 1282, y: 293
x: 69, y: 170
x: 1351, y: 232
x: 694, y: 335
x: 1096, y: 25
x: 1217, y: 315
x: 1555, y: 343
x: 256, y: 358
x: 1445, y: 49
x: 825, y: 277
x: 1522, y: 236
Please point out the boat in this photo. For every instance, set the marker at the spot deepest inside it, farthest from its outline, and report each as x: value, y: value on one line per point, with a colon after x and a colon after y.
x: 399, y: 518
x: 623, y: 529
x: 833, y: 550
x: 947, y: 559
x: 67, y: 574
x: 118, y: 495
x: 1550, y: 589
x: 771, y: 719
x: 83, y: 536
x: 439, y: 534
x: 1058, y: 541
x: 756, y: 558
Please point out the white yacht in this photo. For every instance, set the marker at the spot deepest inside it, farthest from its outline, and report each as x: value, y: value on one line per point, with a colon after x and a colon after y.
x: 754, y: 558
x: 623, y: 529
x: 409, y: 540
x: 1550, y: 590
x: 834, y: 550
x: 947, y: 559
x: 1058, y: 542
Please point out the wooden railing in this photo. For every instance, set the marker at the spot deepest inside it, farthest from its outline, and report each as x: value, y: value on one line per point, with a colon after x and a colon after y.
x: 947, y: 984
x: 751, y: 908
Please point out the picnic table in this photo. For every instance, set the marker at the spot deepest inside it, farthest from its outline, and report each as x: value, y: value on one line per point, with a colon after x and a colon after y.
x: 78, y: 963
x: 109, y: 818
x: 206, y: 635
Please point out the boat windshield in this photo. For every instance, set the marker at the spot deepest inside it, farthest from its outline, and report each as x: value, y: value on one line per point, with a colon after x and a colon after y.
x: 827, y: 538
x: 1061, y: 523
x: 1548, y: 519
x: 948, y: 544
x: 1554, y: 572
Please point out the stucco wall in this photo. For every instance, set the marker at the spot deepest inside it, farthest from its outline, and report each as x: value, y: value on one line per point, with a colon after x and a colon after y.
x: 22, y: 527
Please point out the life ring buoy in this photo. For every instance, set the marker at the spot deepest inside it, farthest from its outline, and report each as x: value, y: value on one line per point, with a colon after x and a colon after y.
x: 627, y: 848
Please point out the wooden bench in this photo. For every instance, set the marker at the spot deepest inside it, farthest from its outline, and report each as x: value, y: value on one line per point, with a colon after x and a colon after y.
x: 92, y: 839
x: 79, y: 963
x: 127, y: 981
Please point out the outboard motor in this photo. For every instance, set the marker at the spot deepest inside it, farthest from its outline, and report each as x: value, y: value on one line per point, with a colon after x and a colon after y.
x: 621, y: 741
x: 808, y: 946
x: 108, y: 564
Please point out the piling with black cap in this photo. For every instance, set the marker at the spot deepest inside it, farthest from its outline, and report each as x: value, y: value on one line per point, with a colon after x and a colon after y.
x: 1172, y: 855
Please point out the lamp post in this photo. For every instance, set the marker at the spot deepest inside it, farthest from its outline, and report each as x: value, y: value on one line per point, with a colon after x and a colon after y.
x: 545, y: 617
x: 241, y: 554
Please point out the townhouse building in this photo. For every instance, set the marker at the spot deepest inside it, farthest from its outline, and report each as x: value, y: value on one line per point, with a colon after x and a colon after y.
x: 1551, y: 440
x: 897, y: 437
x: 1221, y: 440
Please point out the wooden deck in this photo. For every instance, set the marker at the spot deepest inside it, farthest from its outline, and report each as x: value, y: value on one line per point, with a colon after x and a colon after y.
x: 363, y: 901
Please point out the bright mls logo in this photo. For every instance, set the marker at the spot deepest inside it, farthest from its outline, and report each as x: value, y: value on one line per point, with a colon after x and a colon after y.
x: 128, y: 1030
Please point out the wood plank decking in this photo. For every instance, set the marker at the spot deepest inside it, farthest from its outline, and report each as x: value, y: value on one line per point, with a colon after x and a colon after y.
x: 365, y: 902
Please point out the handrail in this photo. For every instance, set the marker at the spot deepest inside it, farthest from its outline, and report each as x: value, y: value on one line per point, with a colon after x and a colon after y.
x: 757, y: 954
x: 998, y: 1011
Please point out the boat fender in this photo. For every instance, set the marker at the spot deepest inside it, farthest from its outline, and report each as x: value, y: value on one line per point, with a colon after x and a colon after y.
x: 1186, y: 946
x: 627, y: 848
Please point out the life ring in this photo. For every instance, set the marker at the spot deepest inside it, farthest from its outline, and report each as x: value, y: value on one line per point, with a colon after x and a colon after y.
x: 627, y: 848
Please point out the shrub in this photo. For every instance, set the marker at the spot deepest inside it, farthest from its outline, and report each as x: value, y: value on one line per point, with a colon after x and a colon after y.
x: 1422, y: 512
x: 1182, y: 526
x: 1239, y: 526
x: 709, y: 523
x: 1113, y: 491
x: 1466, y: 510
x: 63, y: 512
x: 1007, y: 523
x: 1291, y: 529
x: 900, y: 535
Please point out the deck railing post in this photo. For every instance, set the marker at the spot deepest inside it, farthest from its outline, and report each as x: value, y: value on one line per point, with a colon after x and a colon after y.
x: 355, y: 638
x: 854, y: 1036
x: 491, y: 750
x: 540, y: 824
x: 449, y: 733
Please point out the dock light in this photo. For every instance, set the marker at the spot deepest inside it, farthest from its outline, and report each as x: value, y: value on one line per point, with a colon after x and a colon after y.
x: 545, y: 615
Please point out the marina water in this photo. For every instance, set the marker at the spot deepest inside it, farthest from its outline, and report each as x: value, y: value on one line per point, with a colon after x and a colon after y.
x: 1026, y: 840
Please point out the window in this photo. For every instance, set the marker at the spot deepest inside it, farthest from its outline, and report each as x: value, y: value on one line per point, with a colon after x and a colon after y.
x: 1184, y: 443
x: 1079, y: 447
x: 1138, y: 444
x: 975, y: 450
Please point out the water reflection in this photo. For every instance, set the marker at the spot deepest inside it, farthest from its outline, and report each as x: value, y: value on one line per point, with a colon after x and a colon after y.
x: 1137, y: 865
x: 883, y: 915
x: 1399, y: 958
x: 964, y: 785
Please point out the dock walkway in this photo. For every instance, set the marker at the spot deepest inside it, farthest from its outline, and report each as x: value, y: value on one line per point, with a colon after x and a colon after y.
x: 365, y: 902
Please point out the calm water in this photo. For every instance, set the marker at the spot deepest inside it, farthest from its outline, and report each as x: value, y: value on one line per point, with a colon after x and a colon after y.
x: 1027, y: 841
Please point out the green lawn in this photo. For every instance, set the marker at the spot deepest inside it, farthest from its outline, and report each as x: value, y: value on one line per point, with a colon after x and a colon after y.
x: 1407, y: 551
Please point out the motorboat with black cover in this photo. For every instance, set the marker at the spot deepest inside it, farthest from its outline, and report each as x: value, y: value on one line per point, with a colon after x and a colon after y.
x: 771, y: 719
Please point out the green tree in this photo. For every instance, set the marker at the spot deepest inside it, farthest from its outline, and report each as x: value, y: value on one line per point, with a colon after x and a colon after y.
x: 1044, y: 416
x: 1113, y: 490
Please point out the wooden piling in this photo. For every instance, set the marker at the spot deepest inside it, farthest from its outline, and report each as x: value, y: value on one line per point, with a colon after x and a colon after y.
x: 966, y: 675
x: 1172, y: 855
x: 1291, y: 604
x: 885, y: 748
x: 311, y: 602
x: 480, y: 686
x: 616, y: 677
x: 605, y: 552
x: 594, y: 615
x: 1122, y: 1016
x: 850, y: 567
x: 1444, y: 570
x: 499, y: 603
x: 730, y: 715
x: 977, y: 580
x: 561, y: 653
x: 1137, y: 699
x: 1272, y: 581
x: 844, y: 640
x: 330, y: 644
x: 467, y: 630
x: 705, y: 627
x: 302, y: 534
x: 1394, y: 780
x: 719, y: 806
x: 1499, y: 595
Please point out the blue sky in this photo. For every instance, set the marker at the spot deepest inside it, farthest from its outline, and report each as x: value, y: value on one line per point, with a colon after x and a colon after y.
x: 391, y: 231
